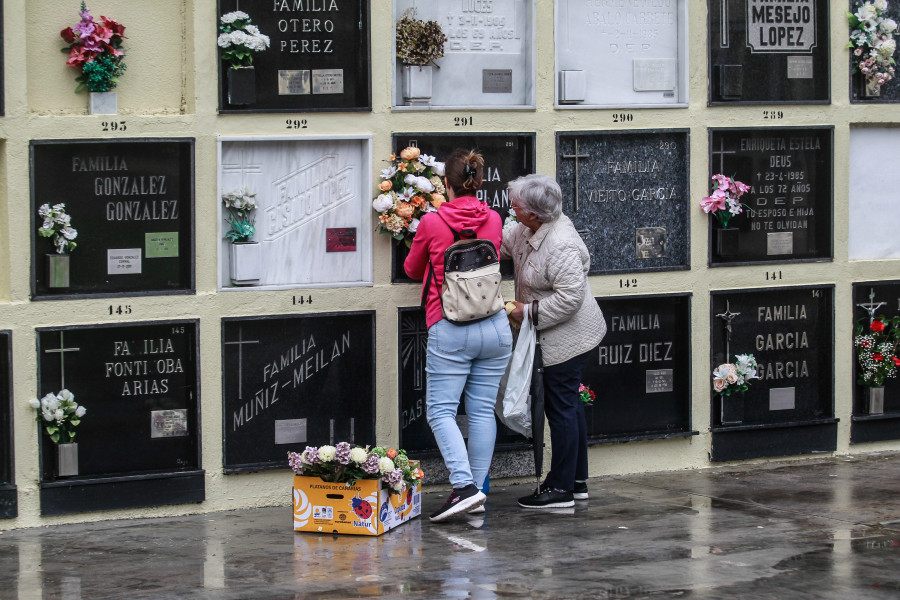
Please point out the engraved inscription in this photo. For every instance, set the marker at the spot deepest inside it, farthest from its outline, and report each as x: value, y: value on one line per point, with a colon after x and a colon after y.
x: 328, y: 81
x: 660, y: 380
x: 168, y: 423
x: 484, y: 26
x: 783, y: 26
x: 293, y: 83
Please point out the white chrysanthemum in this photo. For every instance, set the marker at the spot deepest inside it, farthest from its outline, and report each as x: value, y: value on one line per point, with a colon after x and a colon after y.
x: 252, y: 29
x: 383, y: 202
x: 887, y: 48
x: 358, y: 455
x: 69, y: 233
x: 385, y: 465
x: 326, y: 453
x: 881, y: 5
x: 44, y: 210
x: 235, y: 16
x: 62, y: 219
x: 889, y: 26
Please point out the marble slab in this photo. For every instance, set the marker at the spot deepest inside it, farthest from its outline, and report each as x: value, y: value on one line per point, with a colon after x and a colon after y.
x: 312, y: 194
x: 489, y: 56
x: 629, y: 54
x: 873, y: 194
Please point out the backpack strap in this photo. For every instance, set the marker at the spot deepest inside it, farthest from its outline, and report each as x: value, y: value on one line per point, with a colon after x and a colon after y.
x: 465, y: 234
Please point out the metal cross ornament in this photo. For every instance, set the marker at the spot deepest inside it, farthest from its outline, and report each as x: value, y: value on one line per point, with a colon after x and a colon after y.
x: 870, y: 306
x: 728, y: 317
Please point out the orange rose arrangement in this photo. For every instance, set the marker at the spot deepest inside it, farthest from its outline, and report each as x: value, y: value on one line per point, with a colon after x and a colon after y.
x: 411, y: 186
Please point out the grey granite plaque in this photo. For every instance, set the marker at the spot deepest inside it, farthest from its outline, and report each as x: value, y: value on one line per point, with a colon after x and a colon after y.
x: 800, y: 67
x: 328, y: 81
x: 660, y: 380
x: 290, y: 431
x: 655, y: 74
x: 780, y: 243
x: 496, y: 81
x: 168, y: 423
x: 650, y: 242
x: 782, y: 398
x: 293, y: 83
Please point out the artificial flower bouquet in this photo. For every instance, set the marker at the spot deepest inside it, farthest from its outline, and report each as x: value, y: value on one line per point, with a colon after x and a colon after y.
x: 872, y: 42
x: 239, y: 39
x: 59, y: 414
x: 419, y: 42
x: 411, y: 186
x: 586, y: 395
x: 343, y: 463
x: 57, y: 225
x: 733, y: 378
x: 95, y: 49
x: 725, y: 200
x: 876, y: 347
x: 239, y: 204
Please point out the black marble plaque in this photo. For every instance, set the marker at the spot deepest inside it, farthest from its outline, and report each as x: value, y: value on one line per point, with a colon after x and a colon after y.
x: 506, y: 156
x: 889, y: 93
x: 627, y: 193
x: 641, y: 372
x: 318, y: 58
x: 293, y: 381
x: 772, y: 52
x: 415, y: 433
x: 8, y: 500
x: 132, y: 203
x: 790, y: 332
x: 790, y: 171
x: 868, y: 426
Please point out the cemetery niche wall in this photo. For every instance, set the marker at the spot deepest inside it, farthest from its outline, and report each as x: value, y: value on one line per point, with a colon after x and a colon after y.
x: 293, y: 381
x: 507, y: 156
x: 766, y: 52
x: 876, y: 413
x: 872, y: 236
x: 8, y: 495
x: 627, y: 193
x: 139, y: 442
x: 790, y: 215
x: 313, y: 211
x: 318, y: 59
x: 512, y: 455
x: 488, y: 59
x: 131, y: 202
x: 790, y: 408
x: 621, y: 54
x: 641, y: 371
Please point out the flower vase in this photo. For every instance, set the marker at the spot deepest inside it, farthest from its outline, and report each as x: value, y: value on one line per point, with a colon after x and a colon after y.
x: 102, y: 103
x: 67, y: 460
x: 732, y: 409
x: 869, y: 88
x: 58, y: 270
x: 727, y: 242
x: 242, y: 86
x: 417, y: 86
x: 875, y: 400
x: 245, y: 263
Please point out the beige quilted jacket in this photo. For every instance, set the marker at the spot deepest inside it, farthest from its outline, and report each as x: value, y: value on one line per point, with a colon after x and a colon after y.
x: 551, y: 266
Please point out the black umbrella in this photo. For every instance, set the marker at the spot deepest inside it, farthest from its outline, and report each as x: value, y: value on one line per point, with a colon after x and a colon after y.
x: 537, y: 413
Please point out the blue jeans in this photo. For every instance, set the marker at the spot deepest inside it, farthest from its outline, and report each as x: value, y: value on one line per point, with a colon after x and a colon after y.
x: 466, y: 358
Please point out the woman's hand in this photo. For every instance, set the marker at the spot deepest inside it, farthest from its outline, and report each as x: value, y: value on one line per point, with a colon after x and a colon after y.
x: 517, y: 313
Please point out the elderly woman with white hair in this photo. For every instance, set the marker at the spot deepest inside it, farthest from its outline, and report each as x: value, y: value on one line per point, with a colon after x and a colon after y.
x: 551, y: 265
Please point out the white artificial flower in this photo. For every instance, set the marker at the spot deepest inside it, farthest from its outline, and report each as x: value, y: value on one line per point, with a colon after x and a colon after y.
x: 35, y: 403
x: 383, y: 202
x: 59, y: 415
x: 881, y: 5
x: 889, y: 25
x: 410, y: 179
x: 887, y: 48
x: 66, y: 395
x: 48, y: 416
x: 235, y: 16
x: 866, y: 12
x: 399, y: 486
x: 413, y: 225
x: 60, y: 206
x: 326, y: 453
x: 52, y: 402
x: 79, y: 412
x: 385, y: 465
x: 389, y: 172
x: 63, y: 219
x: 224, y: 40
x: 424, y: 185
x: 438, y: 168
x: 252, y: 29
x: 358, y: 455
x: 44, y: 210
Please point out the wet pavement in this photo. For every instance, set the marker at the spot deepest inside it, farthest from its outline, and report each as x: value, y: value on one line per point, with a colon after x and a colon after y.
x: 817, y: 529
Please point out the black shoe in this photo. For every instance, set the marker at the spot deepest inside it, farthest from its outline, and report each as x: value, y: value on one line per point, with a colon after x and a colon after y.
x: 548, y: 499
x: 460, y: 500
x: 581, y: 492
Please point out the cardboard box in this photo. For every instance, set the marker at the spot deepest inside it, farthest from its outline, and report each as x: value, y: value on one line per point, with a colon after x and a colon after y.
x: 364, y: 508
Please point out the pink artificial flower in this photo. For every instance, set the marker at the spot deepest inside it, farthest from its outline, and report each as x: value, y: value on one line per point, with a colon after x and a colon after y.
x: 714, y: 202
x: 858, y: 52
x: 115, y: 26
x: 724, y: 182
x: 741, y: 188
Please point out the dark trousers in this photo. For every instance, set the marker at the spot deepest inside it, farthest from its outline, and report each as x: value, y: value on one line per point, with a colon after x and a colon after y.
x: 568, y: 429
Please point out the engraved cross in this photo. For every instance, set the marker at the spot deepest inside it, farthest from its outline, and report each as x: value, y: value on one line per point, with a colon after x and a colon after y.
x: 870, y: 306
x: 414, y: 342
x: 62, y: 358
x: 576, y: 156
x: 240, y: 344
x: 722, y: 152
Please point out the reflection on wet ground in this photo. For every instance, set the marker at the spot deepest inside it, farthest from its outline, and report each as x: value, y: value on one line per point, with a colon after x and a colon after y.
x: 827, y: 528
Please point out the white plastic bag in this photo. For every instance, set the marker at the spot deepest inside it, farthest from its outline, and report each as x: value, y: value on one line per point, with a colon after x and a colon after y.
x: 513, y: 399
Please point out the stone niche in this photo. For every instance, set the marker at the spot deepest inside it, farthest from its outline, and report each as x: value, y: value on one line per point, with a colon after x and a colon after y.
x: 489, y: 56
x: 293, y: 381
x: 8, y: 495
x: 621, y: 54
x: 314, y: 210
x: 874, y: 195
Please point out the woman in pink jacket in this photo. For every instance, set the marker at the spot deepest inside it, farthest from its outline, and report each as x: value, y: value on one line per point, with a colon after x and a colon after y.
x: 462, y: 358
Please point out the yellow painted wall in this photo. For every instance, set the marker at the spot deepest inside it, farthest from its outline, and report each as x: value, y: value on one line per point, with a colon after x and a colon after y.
x: 170, y: 90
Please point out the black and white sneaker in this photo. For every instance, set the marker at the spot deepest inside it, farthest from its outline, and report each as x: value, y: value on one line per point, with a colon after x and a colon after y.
x: 581, y: 491
x: 460, y: 500
x: 549, y: 498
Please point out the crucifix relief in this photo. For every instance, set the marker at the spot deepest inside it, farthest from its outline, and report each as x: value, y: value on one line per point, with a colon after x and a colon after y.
x: 240, y: 344
x: 870, y: 306
x: 728, y: 317
x: 576, y: 156
x: 62, y: 358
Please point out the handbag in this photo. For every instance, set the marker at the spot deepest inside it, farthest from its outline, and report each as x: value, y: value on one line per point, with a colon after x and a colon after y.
x: 514, y: 398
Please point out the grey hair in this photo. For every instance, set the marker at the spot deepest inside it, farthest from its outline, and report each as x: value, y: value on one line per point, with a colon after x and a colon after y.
x: 538, y: 194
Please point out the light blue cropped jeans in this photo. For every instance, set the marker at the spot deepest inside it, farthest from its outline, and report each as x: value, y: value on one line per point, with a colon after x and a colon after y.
x: 468, y: 359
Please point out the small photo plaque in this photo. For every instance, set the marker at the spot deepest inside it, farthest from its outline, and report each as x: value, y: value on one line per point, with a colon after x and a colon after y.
x: 125, y: 261
x: 161, y: 245
x: 799, y: 67
x: 650, y: 242
x: 290, y: 431
x: 660, y: 380
x: 328, y: 81
x: 654, y: 74
x: 780, y: 243
x: 293, y: 83
x: 340, y: 239
x: 782, y: 398
x: 496, y: 81
x: 168, y: 423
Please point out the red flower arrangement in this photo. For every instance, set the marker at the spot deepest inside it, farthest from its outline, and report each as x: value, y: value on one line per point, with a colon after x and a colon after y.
x: 586, y: 394
x: 95, y: 49
x: 877, y: 347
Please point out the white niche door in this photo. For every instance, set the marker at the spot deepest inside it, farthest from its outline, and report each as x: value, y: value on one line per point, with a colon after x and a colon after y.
x: 874, y: 197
